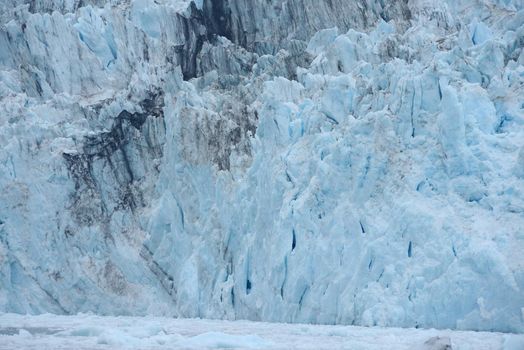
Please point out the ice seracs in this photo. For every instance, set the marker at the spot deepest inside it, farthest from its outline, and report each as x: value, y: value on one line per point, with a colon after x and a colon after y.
x: 341, y: 163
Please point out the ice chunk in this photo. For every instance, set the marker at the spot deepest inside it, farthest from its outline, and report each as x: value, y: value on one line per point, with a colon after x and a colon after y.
x: 96, y: 35
x: 519, y: 166
x: 480, y: 32
x: 24, y: 333
x: 219, y: 340
x: 321, y: 40
x: 478, y: 107
x: 452, y: 131
x: 437, y: 343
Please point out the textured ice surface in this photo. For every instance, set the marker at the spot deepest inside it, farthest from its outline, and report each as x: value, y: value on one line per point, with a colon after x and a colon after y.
x: 211, y: 160
x: 94, y: 332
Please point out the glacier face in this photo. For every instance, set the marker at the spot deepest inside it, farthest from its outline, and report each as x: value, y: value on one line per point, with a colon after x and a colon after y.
x: 331, y: 162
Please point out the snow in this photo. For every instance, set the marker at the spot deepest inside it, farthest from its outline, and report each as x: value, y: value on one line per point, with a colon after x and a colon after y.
x: 371, y: 174
x: 95, y: 332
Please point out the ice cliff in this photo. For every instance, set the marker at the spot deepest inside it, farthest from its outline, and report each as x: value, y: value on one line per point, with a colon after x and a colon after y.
x: 325, y: 161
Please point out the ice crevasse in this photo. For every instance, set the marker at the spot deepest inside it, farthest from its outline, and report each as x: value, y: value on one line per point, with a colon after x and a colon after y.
x: 328, y: 162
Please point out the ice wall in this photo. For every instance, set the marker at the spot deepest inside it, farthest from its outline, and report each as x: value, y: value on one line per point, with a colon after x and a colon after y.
x: 327, y: 162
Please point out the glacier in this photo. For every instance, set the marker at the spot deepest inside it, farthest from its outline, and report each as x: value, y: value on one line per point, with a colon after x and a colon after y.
x: 333, y: 162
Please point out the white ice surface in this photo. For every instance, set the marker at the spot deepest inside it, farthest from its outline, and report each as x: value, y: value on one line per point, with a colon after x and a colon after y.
x: 94, y: 332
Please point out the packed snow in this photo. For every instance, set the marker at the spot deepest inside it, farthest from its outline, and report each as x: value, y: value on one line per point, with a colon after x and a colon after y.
x: 95, y: 332
x: 334, y: 162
